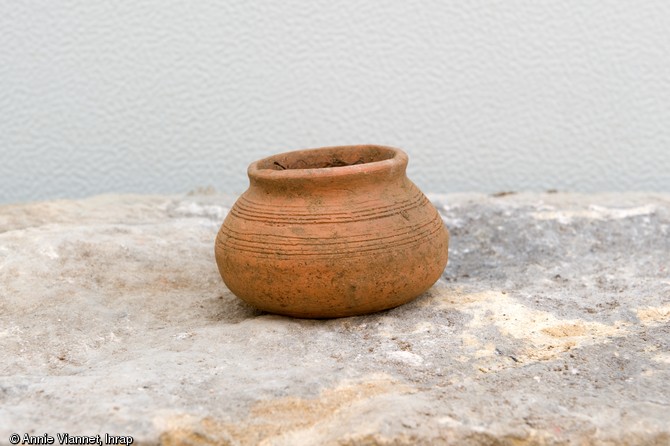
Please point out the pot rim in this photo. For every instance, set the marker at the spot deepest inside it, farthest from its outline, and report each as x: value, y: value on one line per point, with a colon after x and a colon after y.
x: 397, y: 161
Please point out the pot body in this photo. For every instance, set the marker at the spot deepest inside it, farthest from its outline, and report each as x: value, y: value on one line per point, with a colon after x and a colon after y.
x: 331, y: 232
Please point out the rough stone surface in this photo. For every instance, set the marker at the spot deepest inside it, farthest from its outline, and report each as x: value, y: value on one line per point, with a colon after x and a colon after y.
x: 551, y: 325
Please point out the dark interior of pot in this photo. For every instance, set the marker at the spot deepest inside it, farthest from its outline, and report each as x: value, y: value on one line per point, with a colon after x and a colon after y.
x: 327, y: 157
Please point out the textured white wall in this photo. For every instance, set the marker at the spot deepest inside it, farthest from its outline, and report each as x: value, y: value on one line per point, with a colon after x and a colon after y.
x: 164, y: 96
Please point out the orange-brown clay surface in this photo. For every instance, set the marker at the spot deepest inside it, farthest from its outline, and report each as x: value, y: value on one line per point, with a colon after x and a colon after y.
x: 331, y: 232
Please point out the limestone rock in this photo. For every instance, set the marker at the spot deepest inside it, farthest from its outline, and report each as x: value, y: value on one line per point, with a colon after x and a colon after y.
x: 550, y: 326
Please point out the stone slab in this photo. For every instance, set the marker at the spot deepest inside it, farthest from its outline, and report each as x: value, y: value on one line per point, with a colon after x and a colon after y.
x: 550, y: 326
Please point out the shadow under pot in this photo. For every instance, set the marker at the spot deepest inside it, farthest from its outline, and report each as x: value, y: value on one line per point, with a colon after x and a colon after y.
x: 331, y: 232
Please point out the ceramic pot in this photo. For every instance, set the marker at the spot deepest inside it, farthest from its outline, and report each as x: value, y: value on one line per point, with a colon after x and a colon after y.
x: 331, y: 232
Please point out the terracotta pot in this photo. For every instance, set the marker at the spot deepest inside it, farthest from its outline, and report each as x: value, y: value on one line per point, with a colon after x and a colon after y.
x: 331, y: 232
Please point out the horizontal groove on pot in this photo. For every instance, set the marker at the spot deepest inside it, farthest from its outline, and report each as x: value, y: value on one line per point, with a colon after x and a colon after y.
x: 248, y: 210
x: 263, y: 245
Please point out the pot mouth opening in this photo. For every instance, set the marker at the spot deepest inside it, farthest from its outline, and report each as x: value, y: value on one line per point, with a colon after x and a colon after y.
x: 328, y: 161
x: 329, y: 157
